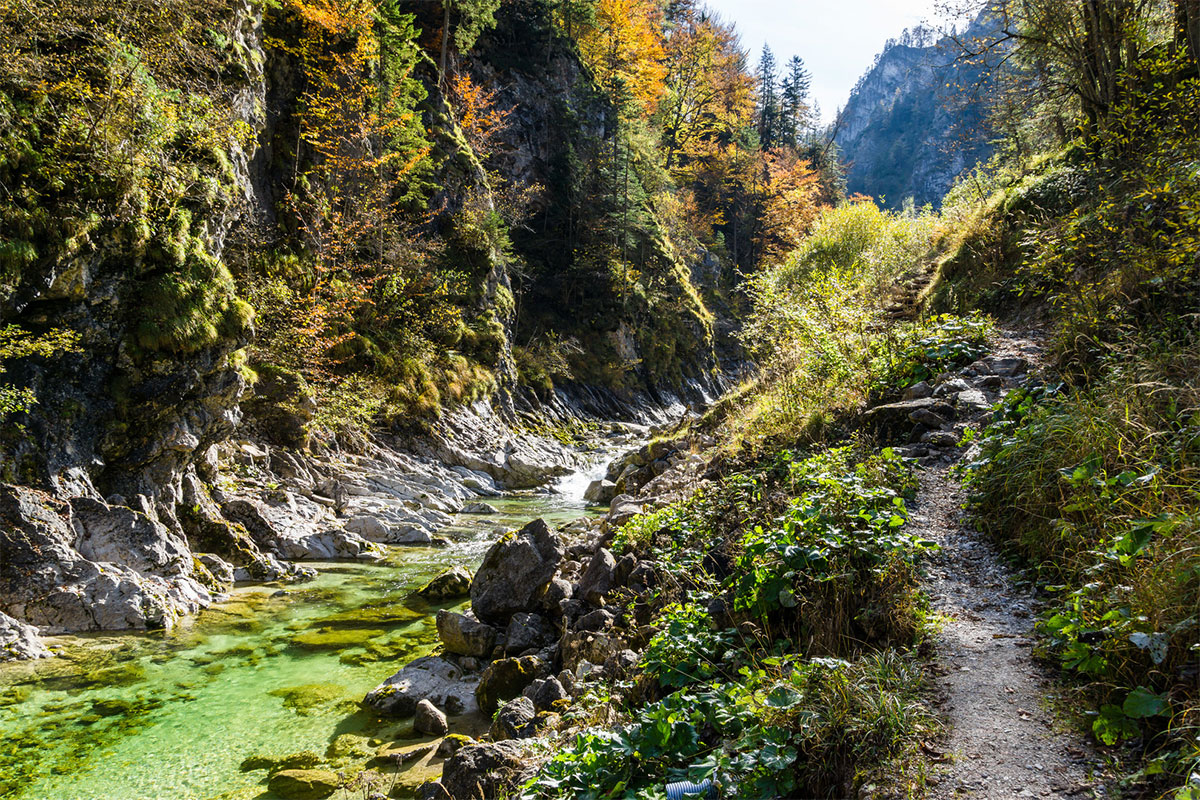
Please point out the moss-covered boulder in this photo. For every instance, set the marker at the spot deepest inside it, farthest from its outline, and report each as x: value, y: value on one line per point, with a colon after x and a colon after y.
x: 449, y: 585
x: 505, y: 679
x: 304, y: 784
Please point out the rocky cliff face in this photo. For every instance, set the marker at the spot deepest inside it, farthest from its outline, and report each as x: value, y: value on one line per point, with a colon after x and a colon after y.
x: 139, y: 487
x: 912, y: 124
x: 93, y: 539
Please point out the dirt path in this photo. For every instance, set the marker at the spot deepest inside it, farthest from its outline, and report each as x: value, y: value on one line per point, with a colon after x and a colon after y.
x: 1001, y: 739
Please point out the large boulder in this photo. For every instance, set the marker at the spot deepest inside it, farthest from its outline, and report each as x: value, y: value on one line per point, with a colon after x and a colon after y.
x: 515, y: 572
x: 304, y: 784
x: 599, y: 577
x: 891, y: 419
x: 429, y: 678
x: 449, y: 585
x: 46, y: 582
x: 600, y: 491
x: 19, y: 642
x: 120, y: 535
x: 483, y: 771
x: 504, y: 679
x: 465, y: 636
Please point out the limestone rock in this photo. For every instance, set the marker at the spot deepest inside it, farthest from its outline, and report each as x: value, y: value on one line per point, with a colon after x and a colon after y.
x: 918, y: 391
x: 600, y: 491
x: 479, y: 508
x: 596, y: 620
x: 598, y: 578
x: 449, y: 585
x: 515, y: 720
x: 929, y: 418
x: 624, y: 508
x: 483, y: 771
x: 429, y: 678
x: 45, y: 582
x: 505, y: 679
x: 429, y: 719
x: 545, y: 693
x: 19, y: 642
x: 895, y: 418
x: 120, y: 535
x: 369, y: 527
x: 558, y: 591
x: 464, y: 635
x: 1007, y: 367
x: 515, y: 572
x: 304, y: 784
x: 526, y: 631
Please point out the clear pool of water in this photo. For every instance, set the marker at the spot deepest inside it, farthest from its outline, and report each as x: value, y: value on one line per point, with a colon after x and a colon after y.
x: 172, y: 715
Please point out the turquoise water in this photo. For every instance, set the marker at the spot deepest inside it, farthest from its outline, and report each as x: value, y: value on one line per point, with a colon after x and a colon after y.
x: 173, y: 715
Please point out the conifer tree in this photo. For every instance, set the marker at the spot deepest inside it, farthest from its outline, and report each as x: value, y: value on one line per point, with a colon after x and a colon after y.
x: 768, y: 100
x: 796, y: 114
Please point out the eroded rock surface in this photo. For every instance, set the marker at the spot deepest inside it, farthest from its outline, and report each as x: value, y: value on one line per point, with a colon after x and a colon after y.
x: 515, y: 572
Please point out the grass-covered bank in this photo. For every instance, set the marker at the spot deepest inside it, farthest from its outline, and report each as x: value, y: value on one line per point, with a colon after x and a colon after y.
x: 779, y: 640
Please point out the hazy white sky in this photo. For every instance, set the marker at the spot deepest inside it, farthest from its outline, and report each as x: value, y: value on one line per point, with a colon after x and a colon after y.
x: 837, y: 39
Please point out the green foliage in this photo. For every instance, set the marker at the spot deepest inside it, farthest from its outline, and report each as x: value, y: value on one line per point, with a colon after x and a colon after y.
x: 844, y: 527
x: 815, y: 322
x: 687, y: 650
x: 16, y: 343
x: 785, y: 727
x: 923, y: 351
x: 737, y: 683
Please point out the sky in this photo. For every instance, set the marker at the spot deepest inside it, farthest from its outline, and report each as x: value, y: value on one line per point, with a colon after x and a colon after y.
x: 837, y: 39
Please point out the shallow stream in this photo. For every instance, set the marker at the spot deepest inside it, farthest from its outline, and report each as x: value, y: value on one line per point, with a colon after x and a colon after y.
x: 273, y: 671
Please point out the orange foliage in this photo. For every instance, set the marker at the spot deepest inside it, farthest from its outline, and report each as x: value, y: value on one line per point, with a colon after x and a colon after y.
x: 709, y: 94
x: 345, y: 201
x: 792, y: 193
x: 478, y: 115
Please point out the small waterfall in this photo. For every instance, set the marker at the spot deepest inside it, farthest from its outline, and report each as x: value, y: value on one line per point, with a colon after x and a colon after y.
x: 572, y: 486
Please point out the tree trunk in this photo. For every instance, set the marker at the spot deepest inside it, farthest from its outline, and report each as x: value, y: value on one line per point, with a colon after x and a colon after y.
x: 1191, y: 27
x: 445, y: 42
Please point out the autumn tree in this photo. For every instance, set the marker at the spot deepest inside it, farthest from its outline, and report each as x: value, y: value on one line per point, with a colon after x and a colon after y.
x: 356, y: 176
x: 708, y: 94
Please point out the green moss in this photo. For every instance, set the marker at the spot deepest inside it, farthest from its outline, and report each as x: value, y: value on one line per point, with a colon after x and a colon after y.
x: 311, y: 697
x: 335, y: 638
x: 195, y: 307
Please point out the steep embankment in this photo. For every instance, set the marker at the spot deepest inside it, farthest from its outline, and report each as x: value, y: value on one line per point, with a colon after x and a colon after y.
x: 162, y: 437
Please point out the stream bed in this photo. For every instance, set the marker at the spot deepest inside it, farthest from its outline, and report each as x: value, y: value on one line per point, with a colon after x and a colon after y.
x: 274, y: 670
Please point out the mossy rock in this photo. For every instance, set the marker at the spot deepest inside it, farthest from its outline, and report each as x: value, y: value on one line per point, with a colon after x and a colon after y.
x: 505, y: 679
x: 391, y: 616
x: 119, y: 675
x: 304, y: 784
x: 308, y: 698
x: 349, y: 746
x: 305, y: 759
x: 335, y: 639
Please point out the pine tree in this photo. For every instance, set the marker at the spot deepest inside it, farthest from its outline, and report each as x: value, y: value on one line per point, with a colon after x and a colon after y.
x: 796, y: 112
x: 768, y: 100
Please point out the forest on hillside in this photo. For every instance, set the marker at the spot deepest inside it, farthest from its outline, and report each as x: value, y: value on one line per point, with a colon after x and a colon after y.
x: 517, y: 398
